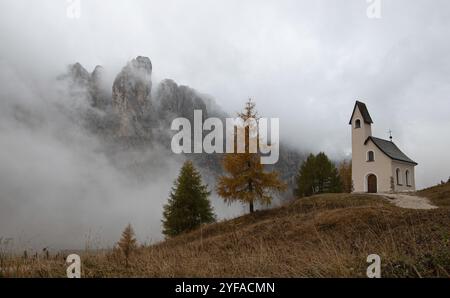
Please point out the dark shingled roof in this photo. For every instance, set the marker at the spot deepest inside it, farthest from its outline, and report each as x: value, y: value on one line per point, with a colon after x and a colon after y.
x: 391, y: 150
x: 365, y: 113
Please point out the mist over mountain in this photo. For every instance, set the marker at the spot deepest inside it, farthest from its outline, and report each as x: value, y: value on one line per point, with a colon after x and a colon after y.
x: 140, y: 113
x: 88, y: 154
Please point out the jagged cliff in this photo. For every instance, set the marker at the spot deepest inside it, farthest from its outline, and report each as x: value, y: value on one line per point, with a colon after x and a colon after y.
x: 99, y: 90
x: 131, y: 112
x: 178, y: 101
x: 131, y: 97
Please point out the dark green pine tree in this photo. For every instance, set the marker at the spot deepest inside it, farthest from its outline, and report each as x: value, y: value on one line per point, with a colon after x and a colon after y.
x: 188, y: 206
x: 306, y: 184
x: 318, y: 175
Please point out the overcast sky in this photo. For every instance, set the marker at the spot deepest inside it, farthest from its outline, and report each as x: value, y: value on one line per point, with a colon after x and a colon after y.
x: 303, y: 61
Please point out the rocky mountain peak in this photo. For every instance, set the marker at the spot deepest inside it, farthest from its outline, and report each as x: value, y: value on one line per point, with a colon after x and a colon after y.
x: 132, y: 116
x: 142, y: 63
x: 131, y: 95
x: 178, y: 101
x: 98, y: 72
x: 98, y: 88
x: 79, y: 74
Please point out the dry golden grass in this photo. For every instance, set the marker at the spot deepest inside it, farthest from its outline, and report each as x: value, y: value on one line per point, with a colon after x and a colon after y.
x: 322, y: 236
x: 439, y: 195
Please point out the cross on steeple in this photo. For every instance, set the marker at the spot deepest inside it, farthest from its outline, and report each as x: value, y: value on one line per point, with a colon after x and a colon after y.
x: 390, y: 134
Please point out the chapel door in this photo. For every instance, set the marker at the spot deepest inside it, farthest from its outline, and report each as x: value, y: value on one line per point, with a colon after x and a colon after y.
x: 372, y: 184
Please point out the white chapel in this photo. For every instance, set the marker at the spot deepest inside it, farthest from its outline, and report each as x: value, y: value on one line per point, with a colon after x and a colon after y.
x: 377, y: 165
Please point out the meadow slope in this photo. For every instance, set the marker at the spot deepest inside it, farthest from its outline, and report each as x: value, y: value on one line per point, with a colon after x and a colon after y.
x: 322, y: 236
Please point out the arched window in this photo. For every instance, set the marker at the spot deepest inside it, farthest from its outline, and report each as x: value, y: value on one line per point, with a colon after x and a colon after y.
x: 370, y: 156
x: 408, y: 183
x: 358, y: 123
x: 399, y: 176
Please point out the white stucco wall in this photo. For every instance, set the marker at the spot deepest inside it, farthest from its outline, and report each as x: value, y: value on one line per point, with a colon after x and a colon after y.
x: 381, y: 167
x: 361, y: 168
x: 403, y: 168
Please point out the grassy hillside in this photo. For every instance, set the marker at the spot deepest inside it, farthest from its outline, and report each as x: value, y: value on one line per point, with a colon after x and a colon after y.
x: 439, y: 195
x: 321, y: 236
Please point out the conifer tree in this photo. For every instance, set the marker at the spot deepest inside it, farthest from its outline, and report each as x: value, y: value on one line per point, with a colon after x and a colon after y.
x: 318, y: 175
x: 306, y: 178
x: 188, y: 206
x: 345, y: 172
x: 127, y: 243
x: 246, y: 180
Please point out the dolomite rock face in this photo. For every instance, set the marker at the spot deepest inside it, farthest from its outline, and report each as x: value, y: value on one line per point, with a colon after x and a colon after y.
x: 131, y: 112
x: 77, y: 79
x: 178, y: 101
x: 131, y: 96
x: 126, y: 113
x: 92, y: 87
x: 98, y: 89
x: 79, y: 74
